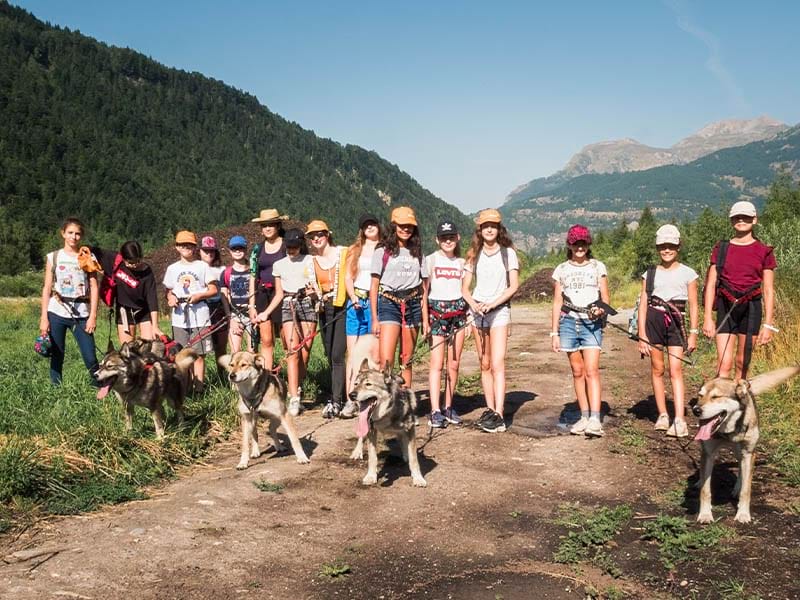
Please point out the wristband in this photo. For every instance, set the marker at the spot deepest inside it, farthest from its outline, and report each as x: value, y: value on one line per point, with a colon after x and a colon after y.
x: 694, y: 331
x: 553, y: 334
x: 771, y: 327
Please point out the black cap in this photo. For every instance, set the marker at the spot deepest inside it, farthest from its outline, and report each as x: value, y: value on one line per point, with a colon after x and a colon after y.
x: 293, y: 237
x: 446, y: 227
x: 367, y: 218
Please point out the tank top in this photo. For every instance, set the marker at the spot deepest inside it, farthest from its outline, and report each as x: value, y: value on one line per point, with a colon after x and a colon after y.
x: 265, y: 262
x: 364, y: 276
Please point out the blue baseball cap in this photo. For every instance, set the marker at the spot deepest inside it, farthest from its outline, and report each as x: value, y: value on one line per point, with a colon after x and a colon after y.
x: 237, y: 241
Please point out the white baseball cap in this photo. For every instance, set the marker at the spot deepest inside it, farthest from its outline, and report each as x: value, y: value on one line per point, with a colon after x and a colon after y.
x: 743, y: 207
x: 668, y: 234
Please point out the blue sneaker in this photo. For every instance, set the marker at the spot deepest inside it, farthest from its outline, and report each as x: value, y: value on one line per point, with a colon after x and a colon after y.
x: 452, y: 416
x: 437, y: 420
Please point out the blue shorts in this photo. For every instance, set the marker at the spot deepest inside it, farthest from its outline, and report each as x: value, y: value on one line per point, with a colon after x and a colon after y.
x: 358, y: 321
x: 389, y: 312
x: 579, y: 334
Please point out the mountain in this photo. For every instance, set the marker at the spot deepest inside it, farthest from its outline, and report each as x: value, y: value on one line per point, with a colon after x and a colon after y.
x: 626, y: 155
x: 139, y: 150
x: 539, y: 218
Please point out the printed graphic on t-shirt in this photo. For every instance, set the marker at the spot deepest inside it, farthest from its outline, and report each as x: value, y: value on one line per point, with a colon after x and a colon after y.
x: 447, y: 272
x: 188, y: 284
x: 239, y: 286
x: 127, y: 279
x: 71, y: 284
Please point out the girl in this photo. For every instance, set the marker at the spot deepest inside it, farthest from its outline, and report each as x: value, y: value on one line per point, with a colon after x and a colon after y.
x: 262, y: 285
x: 329, y: 272
x: 396, y: 294
x: 666, y: 291
x: 296, y: 293
x: 135, y: 294
x: 447, y: 317
x: 69, y: 301
x: 235, y: 288
x: 209, y: 254
x: 577, y: 324
x: 357, y: 278
x: 742, y: 271
x: 493, y: 264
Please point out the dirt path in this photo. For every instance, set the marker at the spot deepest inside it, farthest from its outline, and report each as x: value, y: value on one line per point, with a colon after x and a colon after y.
x: 483, y: 528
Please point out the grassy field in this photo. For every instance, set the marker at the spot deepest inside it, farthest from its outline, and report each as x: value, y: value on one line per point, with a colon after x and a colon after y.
x: 62, y: 451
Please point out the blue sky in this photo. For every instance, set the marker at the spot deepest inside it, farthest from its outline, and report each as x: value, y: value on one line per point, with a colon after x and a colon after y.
x: 474, y: 98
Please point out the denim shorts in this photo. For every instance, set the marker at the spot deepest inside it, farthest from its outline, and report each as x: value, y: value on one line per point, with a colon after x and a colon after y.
x: 579, y: 334
x: 358, y: 321
x: 389, y: 312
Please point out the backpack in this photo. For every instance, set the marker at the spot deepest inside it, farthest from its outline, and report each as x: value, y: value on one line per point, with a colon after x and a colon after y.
x: 633, y: 322
x: 108, y: 283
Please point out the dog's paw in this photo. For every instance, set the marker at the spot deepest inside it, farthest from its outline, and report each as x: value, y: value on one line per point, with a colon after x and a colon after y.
x: 357, y: 455
x: 303, y: 459
x: 705, y: 518
x: 242, y: 466
x: 255, y: 452
x: 742, y: 517
x: 370, y: 479
x: 419, y: 482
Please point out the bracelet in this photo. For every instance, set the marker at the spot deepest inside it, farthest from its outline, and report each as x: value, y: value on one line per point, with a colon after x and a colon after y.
x: 694, y: 331
x: 553, y: 334
x: 771, y: 327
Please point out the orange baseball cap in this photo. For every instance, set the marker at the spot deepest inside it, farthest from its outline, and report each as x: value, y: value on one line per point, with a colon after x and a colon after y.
x: 317, y: 225
x: 489, y: 215
x: 186, y: 237
x: 404, y: 215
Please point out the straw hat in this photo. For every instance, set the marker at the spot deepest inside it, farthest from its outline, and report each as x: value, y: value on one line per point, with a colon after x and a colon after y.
x: 269, y: 215
x: 488, y: 215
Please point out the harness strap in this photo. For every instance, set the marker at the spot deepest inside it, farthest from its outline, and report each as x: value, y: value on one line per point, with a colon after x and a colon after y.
x: 672, y: 314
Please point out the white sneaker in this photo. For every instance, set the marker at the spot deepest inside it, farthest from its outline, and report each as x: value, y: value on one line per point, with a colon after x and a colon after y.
x: 294, y: 405
x: 579, y: 427
x: 678, y: 429
x: 662, y: 424
x: 594, y: 428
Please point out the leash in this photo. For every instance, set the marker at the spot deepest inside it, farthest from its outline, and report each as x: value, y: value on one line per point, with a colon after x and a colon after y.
x: 305, y: 340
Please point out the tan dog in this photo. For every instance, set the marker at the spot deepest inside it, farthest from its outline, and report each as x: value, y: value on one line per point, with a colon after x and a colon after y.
x: 261, y: 394
x: 727, y: 412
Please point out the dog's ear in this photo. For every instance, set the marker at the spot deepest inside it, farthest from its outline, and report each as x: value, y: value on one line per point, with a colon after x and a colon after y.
x: 364, y: 365
x: 387, y: 372
x: 125, y: 350
x: 224, y: 361
x: 259, y: 363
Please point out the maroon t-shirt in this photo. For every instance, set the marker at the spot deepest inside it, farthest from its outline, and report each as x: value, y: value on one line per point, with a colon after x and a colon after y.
x: 744, y: 265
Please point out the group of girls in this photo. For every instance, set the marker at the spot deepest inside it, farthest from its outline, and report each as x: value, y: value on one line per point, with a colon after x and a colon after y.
x: 741, y: 275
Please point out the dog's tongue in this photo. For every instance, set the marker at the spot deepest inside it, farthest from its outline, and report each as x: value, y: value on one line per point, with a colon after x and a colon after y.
x: 707, y: 428
x: 362, y: 425
x: 103, y: 392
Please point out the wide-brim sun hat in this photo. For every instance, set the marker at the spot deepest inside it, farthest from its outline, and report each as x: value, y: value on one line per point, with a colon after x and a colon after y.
x: 317, y: 225
x: 186, y: 237
x: 404, y: 215
x: 743, y: 207
x: 269, y: 215
x: 578, y: 233
x: 488, y: 215
x: 668, y: 234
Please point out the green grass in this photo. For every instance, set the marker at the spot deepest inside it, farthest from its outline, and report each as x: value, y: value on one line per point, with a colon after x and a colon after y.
x: 734, y: 589
x: 62, y: 451
x: 335, y: 570
x: 678, y: 541
x: 267, y: 486
x: 590, y: 531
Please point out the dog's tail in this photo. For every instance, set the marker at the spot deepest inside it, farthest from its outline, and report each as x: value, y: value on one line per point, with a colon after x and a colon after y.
x: 185, y: 359
x: 767, y: 381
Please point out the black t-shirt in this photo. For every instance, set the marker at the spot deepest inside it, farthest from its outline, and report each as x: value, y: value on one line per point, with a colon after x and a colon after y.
x: 134, y: 289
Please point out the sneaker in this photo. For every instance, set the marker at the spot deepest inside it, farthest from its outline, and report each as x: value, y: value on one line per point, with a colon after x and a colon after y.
x: 678, y: 429
x: 437, y: 420
x: 294, y: 407
x: 349, y: 411
x: 594, y: 428
x: 494, y: 423
x: 452, y: 416
x: 579, y: 427
x: 662, y: 424
x: 331, y: 410
x: 484, y: 415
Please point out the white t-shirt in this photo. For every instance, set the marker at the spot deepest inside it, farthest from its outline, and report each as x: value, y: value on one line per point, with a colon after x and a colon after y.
x: 295, y: 272
x: 672, y: 284
x: 185, y: 279
x: 580, y: 283
x: 444, y: 276
x: 491, y: 276
x: 402, y: 272
x: 70, y: 281
x: 364, y: 274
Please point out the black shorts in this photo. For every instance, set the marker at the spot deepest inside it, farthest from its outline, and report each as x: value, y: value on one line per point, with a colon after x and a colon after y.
x: 127, y: 316
x: 740, y: 320
x: 657, y: 330
x: 263, y: 297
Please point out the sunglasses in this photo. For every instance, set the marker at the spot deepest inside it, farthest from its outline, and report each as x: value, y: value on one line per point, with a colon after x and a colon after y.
x: 745, y: 218
x: 187, y: 246
x: 661, y: 247
x: 316, y: 234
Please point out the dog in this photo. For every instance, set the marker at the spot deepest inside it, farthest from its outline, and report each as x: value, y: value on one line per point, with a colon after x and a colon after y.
x: 261, y: 394
x: 145, y: 380
x: 363, y: 349
x: 727, y: 412
x: 385, y: 405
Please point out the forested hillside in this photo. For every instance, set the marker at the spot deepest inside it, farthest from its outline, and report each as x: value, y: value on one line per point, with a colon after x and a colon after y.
x: 140, y: 150
x: 673, y: 191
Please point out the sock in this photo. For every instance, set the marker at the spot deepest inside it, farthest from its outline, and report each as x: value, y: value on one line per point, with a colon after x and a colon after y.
x: 595, y: 414
x: 584, y: 414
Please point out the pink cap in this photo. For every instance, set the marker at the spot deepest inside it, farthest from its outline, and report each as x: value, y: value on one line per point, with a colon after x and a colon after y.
x: 578, y: 233
x: 208, y: 243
